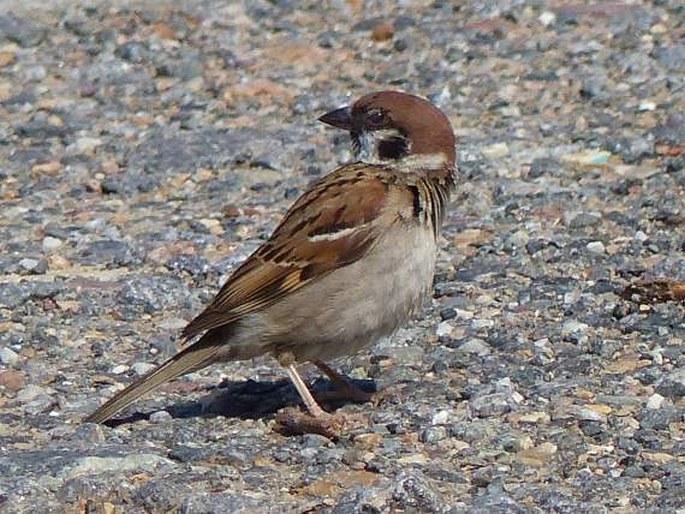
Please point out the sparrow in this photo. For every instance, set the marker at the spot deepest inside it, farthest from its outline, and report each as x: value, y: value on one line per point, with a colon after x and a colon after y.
x: 352, y: 260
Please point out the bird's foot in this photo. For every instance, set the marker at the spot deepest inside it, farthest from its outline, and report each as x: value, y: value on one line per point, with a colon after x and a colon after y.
x: 292, y: 421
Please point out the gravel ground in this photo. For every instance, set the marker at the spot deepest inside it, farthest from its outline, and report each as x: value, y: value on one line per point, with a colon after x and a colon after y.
x: 145, y: 151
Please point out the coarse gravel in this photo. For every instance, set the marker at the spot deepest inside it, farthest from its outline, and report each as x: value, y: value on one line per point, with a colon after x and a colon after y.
x: 146, y: 148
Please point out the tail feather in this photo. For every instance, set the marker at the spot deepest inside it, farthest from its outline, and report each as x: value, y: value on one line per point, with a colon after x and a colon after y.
x: 192, y: 358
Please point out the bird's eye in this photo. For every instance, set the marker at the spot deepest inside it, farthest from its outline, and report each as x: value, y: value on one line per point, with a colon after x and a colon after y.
x: 375, y: 117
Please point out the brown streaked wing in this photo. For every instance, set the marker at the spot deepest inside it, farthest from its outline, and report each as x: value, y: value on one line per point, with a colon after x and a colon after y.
x: 299, y: 251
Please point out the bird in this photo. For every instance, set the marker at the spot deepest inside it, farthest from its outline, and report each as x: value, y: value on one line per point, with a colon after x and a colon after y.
x: 352, y: 260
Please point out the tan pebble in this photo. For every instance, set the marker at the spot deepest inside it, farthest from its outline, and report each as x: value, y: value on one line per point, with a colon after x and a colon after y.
x: 472, y: 236
x: 600, y: 408
x: 368, y: 440
x: 165, y: 83
x: 535, y: 417
x: 5, y: 91
x: 58, y: 262
x: 383, y: 31
x: 6, y: 58
x: 47, y: 168
x: 94, y: 185
x: 12, y: 380
x: 658, y: 457
x: 163, y: 30
x: 417, y: 458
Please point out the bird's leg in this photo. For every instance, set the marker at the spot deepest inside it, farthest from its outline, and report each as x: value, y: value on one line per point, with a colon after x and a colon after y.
x: 287, y: 360
x: 346, y: 390
x: 292, y: 420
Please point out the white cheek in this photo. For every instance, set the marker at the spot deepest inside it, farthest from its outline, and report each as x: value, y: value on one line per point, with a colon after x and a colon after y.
x: 365, y: 149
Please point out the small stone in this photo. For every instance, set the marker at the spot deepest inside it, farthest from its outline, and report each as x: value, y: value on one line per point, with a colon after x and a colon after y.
x: 573, y: 326
x: 448, y: 313
x: 140, y: 368
x: 213, y: 226
x: 538, y: 455
x: 51, y: 243
x: 30, y: 392
x: 490, y: 405
x: 161, y: 416
x: 658, y: 457
x: 656, y: 401
x: 90, y: 432
x: 6, y: 58
x: 535, y: 418
x: 587, y: 414
x: 443, y: 329
x: 589, y: 158
x: 29, y: 264
x: 475, y: 346
x: 137, y: 461
x: 646, y: 106
x: 8, y: 356
x: 517, y: 240
x: 596, y: 247
x: 584, y: 219
x: 119, y: 369
x: 515, y: 442
x: 464, y: 314
x: 478, y: 324
x: 433, y: 434
x: 496, y: 151
x: 640, y: 237
x: 84, y: 146
x: 673, y: 384
x: 383, y: 31
x: 440, y: 418
x: 547, y: 18
x: 12, y: 380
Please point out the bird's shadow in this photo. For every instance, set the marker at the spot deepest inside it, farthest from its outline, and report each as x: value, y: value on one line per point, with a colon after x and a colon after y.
x: 248, y: 400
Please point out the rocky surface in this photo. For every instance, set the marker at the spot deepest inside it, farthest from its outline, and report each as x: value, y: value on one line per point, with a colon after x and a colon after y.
x: 145, y: 151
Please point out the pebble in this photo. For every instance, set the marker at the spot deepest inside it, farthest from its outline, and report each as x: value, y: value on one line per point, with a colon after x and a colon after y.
x: 496, y: 151
x: 440, y: 418
x: 30, y: 392
x: 160, y: 416
x: 573, y: 326
x: 8, y: 356
x: 119, y: 369
x: 12, y: 380
x: 673, y: 385
x: 140, y: 368
x: 147, y: 462
x: 51, y: 243
x: 656, y: 401
x: 444, y: 328
x: 475, y: 346
x: 547, y: 18
x: 490, y: 405
x: 29, y: 264
x: 589, y: 158
x: 478, y: 324
x: 596, y: 247
x: 517, y: 240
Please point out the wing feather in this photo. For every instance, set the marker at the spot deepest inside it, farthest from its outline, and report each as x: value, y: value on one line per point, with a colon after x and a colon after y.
x: 298, y: 252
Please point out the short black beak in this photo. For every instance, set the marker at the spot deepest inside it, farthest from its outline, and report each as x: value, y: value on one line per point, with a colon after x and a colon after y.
x: 340, y: 118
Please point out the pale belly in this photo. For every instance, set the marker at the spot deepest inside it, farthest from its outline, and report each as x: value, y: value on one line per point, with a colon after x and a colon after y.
x: 355, y: 306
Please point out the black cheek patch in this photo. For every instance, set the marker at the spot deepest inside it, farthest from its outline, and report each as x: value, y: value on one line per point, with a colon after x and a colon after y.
x: 393, y: 148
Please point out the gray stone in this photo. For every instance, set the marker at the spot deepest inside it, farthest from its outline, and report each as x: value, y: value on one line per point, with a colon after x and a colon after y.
x: 672, y: 385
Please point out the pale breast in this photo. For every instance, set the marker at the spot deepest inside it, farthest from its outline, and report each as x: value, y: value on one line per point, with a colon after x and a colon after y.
x: 360, y: 303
